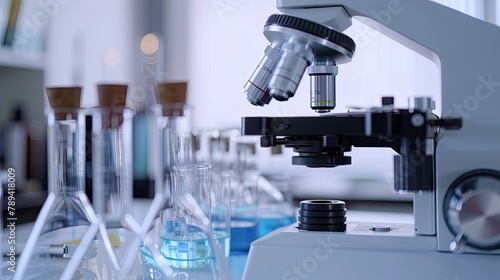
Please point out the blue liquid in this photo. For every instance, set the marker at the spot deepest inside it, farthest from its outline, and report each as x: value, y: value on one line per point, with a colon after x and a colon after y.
x: 243, y: 232
x: 272, y: 221
x: 185, y: 252
x: 192, y: 252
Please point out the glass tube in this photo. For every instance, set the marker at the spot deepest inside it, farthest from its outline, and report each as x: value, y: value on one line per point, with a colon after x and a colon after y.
x: 244, y: 203
x: 174, y: 141
x: 66, y: 173
x: 112, y: 182
x: 220, y: 211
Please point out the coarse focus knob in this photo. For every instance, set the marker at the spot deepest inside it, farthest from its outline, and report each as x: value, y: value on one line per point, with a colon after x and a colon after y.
x: 472, y: 210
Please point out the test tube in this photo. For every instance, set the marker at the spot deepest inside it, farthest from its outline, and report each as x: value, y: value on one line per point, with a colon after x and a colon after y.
x: 174, y: 141
x: 220, y: 211
x: 112, y: 163
x: 112, y: 157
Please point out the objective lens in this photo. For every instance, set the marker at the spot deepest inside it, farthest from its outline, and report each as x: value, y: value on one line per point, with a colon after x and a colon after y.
x: 256, y: 89
x: 290, y: 69
x: 322, y: 86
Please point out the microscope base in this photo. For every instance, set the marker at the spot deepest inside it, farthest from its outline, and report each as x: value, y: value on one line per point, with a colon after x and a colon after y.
x: 361, y: 253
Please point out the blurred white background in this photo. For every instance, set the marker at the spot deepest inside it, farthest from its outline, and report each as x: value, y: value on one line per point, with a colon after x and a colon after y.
x: 215, y: 45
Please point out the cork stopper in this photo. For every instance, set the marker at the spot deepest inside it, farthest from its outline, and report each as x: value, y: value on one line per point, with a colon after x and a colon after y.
x: 174, y: 93
x: 64, y: 97
x: 114, y: 98
x: 111, y: 95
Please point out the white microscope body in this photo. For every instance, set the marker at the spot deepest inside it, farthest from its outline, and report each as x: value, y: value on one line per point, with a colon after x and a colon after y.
x: 456, y: 231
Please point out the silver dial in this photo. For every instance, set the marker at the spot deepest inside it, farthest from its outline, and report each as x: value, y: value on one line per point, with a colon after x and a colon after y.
x: 473, y: 209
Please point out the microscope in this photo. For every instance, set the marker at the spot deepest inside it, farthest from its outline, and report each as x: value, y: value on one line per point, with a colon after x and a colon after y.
x: 449, y: 163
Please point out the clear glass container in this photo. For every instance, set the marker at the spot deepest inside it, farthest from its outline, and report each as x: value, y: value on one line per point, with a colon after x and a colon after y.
x: 275, y: 209
x: 67, y: 221
x: 183, y: 241
x: 244, y: 209
x: 112, y: 180
x: 174, y: 145
x: 173, y: 140
x: 220, y: 210
x: 63, y: 221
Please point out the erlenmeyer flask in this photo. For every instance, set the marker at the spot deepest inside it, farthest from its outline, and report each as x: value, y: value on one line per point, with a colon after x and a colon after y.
x: 66, y: 144
x: 63, y: 221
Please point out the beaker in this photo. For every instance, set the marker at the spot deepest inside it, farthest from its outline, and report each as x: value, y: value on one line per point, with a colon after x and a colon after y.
x: 220, y: 210
x: 183, y: 241
x: 275, y: 207
x: 112, y: 182
x: 244, y: 202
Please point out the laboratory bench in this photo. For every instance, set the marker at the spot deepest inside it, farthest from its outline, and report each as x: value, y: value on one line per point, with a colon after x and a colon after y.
x: 386, y: 212
x: 141, y: 205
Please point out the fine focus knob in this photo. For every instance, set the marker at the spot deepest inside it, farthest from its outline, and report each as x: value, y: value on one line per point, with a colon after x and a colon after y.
x: 473, y: 210
x: 322, y: 215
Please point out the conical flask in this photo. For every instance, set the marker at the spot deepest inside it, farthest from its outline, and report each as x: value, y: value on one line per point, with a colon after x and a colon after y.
x: 67, y: 222
x: 63, y: 221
